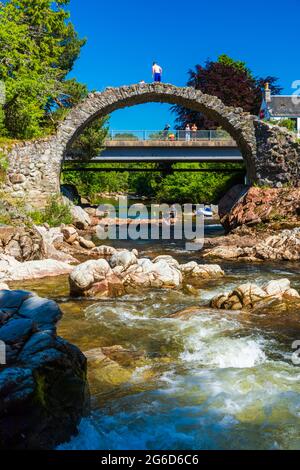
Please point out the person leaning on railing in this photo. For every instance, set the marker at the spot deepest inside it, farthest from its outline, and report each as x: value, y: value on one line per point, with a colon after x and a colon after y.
x: 194, y: 132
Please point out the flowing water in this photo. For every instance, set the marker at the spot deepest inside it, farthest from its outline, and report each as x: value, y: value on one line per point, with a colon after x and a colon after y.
x: 209, y: 380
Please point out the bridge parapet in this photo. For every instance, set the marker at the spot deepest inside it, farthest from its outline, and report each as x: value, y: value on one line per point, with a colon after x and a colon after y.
x: 170, y: 144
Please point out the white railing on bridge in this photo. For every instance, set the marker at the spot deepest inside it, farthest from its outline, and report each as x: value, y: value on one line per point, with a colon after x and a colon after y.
x: 172, y: 135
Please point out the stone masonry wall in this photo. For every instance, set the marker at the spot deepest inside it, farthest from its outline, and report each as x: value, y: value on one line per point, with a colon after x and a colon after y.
x: 271, y: 154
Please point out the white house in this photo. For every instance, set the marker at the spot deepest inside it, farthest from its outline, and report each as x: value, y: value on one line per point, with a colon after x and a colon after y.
x: 280, y: 107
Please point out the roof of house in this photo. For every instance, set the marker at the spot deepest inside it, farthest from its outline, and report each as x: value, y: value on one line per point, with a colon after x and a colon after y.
x: 284, y: 106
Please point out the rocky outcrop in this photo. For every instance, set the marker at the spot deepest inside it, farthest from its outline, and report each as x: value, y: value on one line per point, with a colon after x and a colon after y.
x: 23, y: 243
x: 13, y: 270
x: 123, y: 272
x: 282, y: 246
x: 43, y: 388
x: 248, y: 296
x: 260, y: 206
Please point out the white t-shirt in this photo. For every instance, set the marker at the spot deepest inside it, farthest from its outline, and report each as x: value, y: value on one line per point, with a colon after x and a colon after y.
x: 157, y: 69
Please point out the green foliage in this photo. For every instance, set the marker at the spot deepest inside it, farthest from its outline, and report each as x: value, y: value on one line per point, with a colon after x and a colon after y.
x: 90, y: 143
x: 197, y: 187
x: 90, y: 184
x: 55, y: 213
x: 38, y: 48
x: 237, y: 64
x: 3, y: 166
x: 125, y: 136
x: 289, y: 124
x: 194, y: 187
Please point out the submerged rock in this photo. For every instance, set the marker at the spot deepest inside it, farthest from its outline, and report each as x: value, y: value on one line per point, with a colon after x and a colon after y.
x: 124, y: 273
x: 246, y: 296
x: 43, y: 387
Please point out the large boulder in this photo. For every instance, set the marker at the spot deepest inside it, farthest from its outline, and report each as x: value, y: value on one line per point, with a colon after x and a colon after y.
x: 261, y: 206
x: 43, y: 386
x: 13, y: 270
x: 193, y: 272
x: 247, y: 296
x: 84, y: 276
x: 80, y: 217
x: 123, y: 259
x: 23, y: 243
x: 124, y: 273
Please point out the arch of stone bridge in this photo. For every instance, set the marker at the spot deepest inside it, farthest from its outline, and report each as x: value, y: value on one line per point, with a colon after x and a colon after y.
x: 234, y: 120
x: 271, y: 154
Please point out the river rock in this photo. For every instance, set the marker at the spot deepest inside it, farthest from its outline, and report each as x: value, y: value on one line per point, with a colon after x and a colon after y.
x: 125, y: 273
x: 3, y: 286
x: 86, y: 274
x: 53, y: 240
x: 283, y: 246
x: 70, y: 234
x: 22, y: 243
x: 249, y: 295
x: 193, y: 271
x: 124, y: 259
x: 43, y: 386
x: 259, y: 205
x: 81, y: 219
x: 13, y: 270
x: 87, y: 244
x: 104, y: 251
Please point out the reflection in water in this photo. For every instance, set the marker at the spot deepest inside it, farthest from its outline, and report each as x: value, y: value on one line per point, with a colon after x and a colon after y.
x: 210, y: 380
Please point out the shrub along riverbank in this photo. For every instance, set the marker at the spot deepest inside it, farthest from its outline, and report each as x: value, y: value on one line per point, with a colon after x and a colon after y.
x: 165, y: 185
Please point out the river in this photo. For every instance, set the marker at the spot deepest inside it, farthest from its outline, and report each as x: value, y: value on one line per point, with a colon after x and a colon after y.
x: 213, y: 380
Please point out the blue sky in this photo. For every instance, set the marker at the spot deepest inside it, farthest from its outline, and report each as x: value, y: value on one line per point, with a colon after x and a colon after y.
x: 125, y: 36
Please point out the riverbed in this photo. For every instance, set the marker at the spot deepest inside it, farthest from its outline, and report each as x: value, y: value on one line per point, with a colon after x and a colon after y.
x: 212, y: 380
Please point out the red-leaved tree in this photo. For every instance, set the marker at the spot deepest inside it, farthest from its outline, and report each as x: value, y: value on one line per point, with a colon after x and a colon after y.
x: 229, y: 80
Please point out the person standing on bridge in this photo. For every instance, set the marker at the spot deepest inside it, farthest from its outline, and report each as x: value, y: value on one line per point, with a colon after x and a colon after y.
x: 156, y: 72
x: 194, y: 131
x: 187, y: 133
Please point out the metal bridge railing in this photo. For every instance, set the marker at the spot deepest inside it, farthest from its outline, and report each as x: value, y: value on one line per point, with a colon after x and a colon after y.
x: 172, y: 135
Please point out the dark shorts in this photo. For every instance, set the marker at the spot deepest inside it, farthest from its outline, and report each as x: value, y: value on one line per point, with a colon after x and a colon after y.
x: 157, y: 77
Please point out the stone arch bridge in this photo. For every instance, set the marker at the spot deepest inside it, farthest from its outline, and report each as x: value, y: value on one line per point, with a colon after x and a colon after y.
x: 271, y: 154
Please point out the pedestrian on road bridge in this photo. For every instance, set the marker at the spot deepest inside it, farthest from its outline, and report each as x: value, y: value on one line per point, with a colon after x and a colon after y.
x: 156, y: 72
x: 194, y: 131
x: 187, y: 133
x: 166, y: 131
